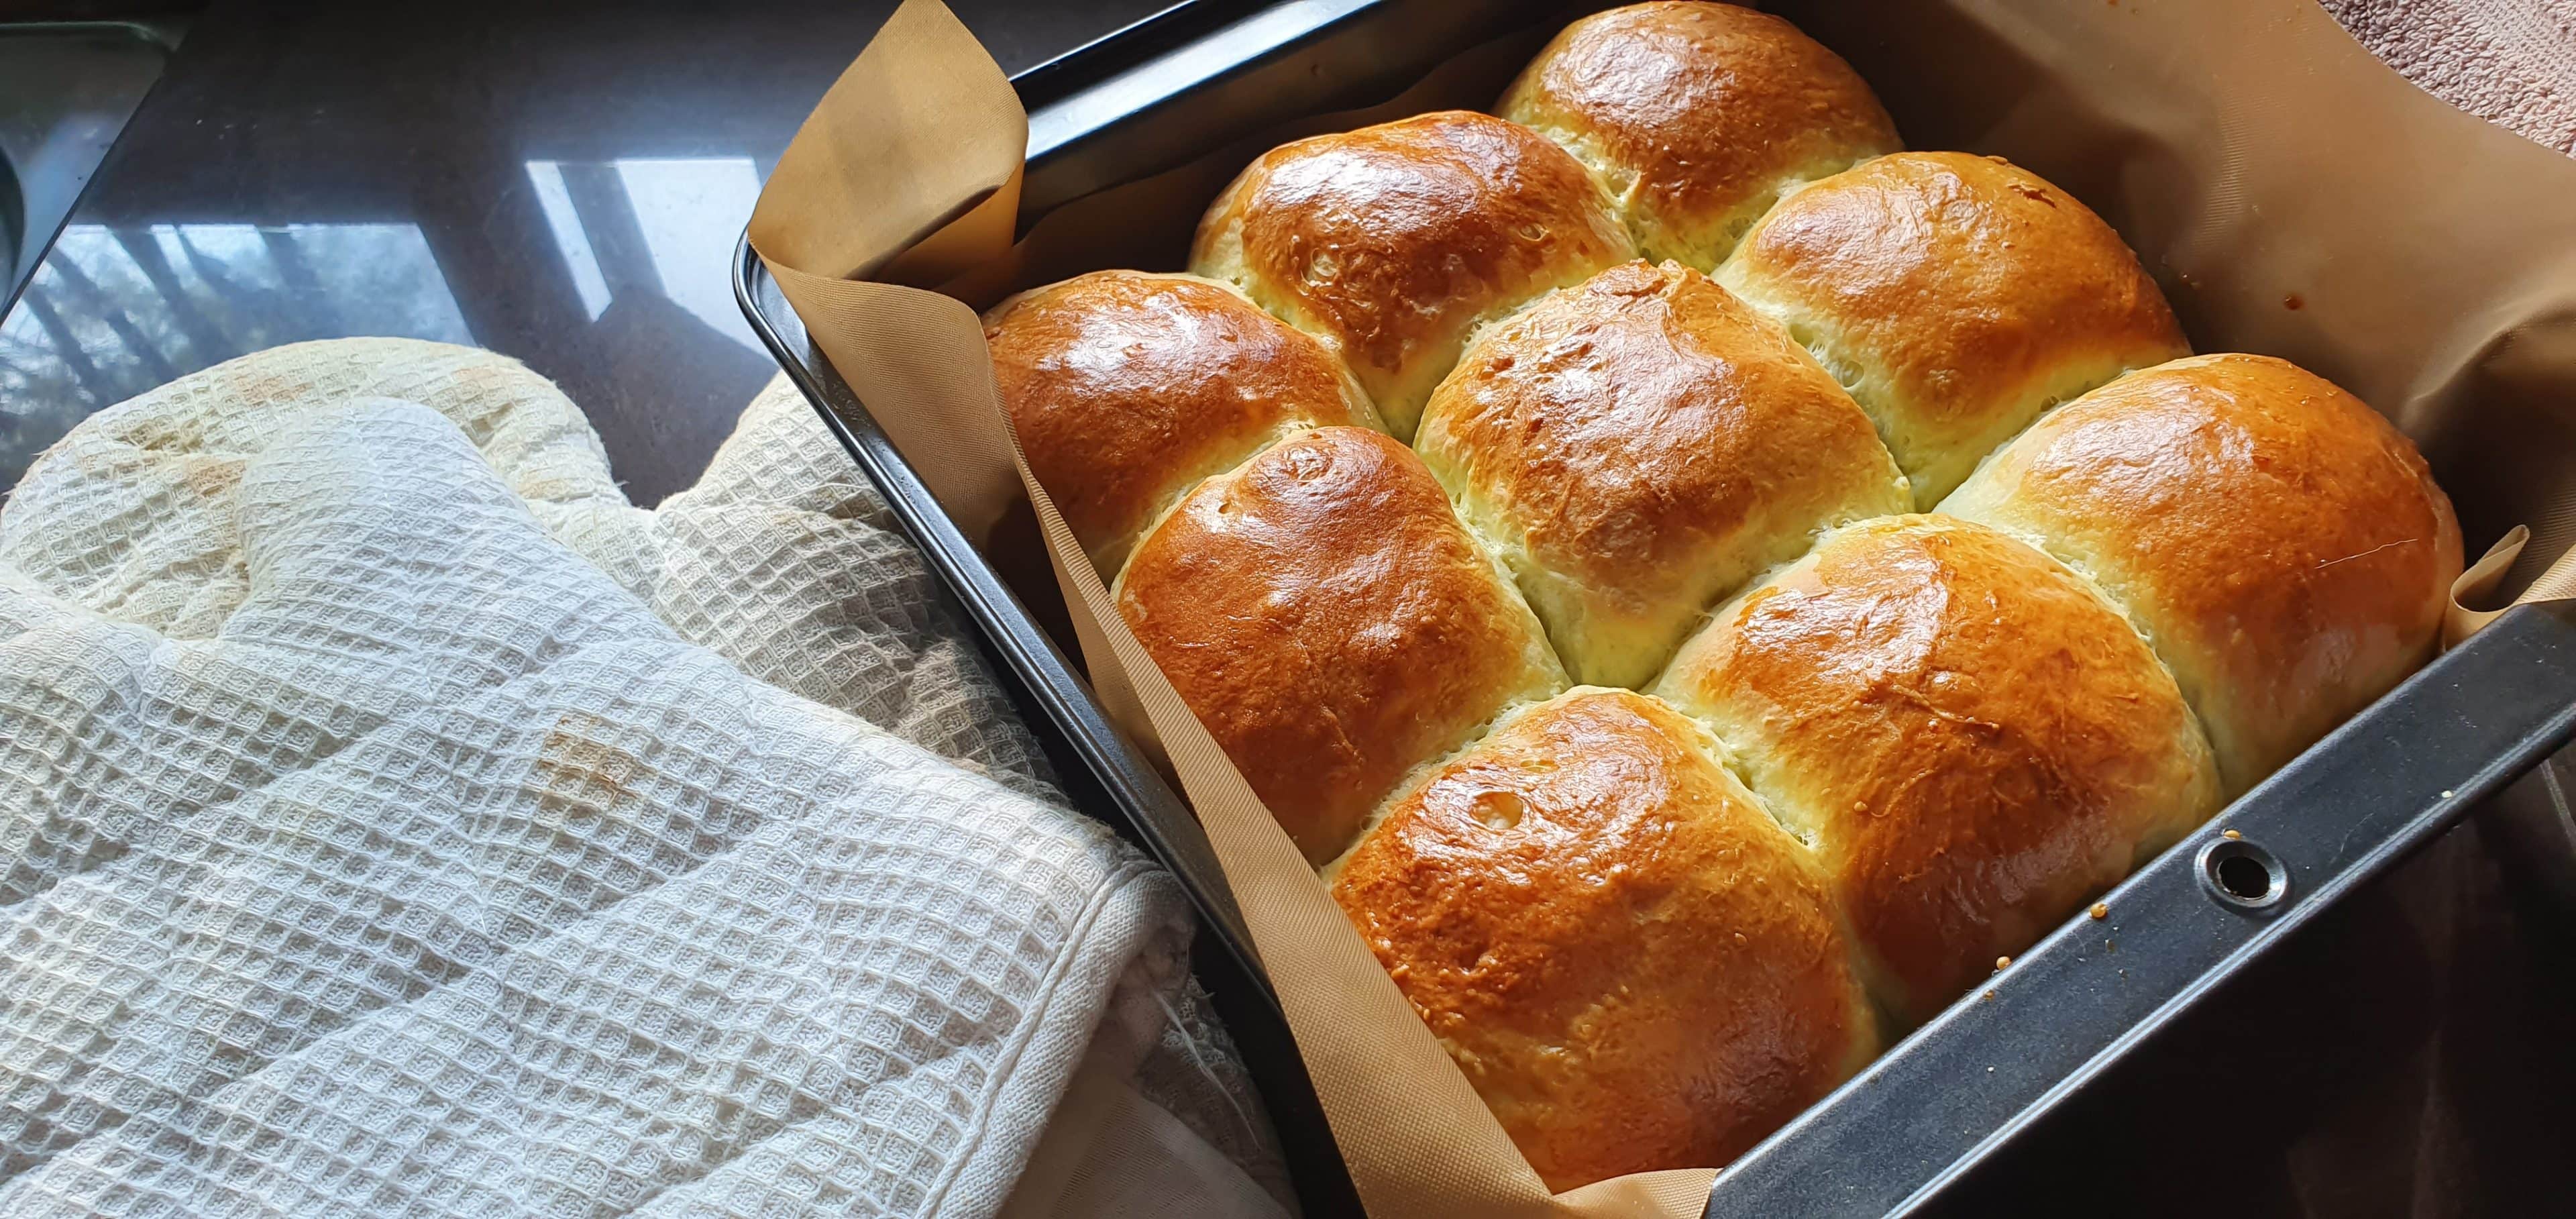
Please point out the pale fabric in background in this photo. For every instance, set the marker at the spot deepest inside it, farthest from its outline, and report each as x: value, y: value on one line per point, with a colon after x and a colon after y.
x: 2511, y: 62
x: 369, y: 850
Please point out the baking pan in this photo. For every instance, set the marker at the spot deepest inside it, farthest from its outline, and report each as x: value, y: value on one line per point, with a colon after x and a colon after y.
x: 1968, y: 1082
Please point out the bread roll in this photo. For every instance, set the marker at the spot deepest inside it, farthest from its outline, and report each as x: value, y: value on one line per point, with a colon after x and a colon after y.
x: 1956, y: 296
x: 1328, y: 619
x: 1634, y: 966
x: 1395, y: 240
x: 1697, y: 116
x: 1975, y: 741
x: 2284, y: 549
x: 1128, y: 388
x: 1638, y: 447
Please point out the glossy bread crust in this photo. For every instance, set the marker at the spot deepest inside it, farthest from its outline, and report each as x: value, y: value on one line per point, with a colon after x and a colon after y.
x: 1396, y: 240
x: 1638, y: 447
x: 1957, y: 296
x: 1975, y: 740
x: 1634, y: 966
x: 1650, y: 928
x: 1327, y: 618
x: 1127, y: 388
x: 2283, y: 546
x: 1697, y: 115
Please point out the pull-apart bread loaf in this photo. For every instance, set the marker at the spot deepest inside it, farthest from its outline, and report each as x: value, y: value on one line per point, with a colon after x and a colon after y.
x: 1874, y: 750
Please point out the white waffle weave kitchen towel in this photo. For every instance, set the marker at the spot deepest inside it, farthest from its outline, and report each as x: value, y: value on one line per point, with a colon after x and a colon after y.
x: 398, y: 821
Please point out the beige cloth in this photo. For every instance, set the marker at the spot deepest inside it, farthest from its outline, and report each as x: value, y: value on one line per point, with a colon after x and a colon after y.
x: 369, y: 851
x: 2511, y: 62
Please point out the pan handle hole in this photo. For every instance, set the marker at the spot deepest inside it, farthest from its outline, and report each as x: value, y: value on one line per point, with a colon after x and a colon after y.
x: 2244, y: 879
x: 2242, y: 874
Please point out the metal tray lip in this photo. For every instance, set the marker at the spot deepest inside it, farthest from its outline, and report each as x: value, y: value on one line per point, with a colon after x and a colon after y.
x: 1181, y: 22
x: 24, y: 254
x: 1259, y: 32
x: 2492, y: 771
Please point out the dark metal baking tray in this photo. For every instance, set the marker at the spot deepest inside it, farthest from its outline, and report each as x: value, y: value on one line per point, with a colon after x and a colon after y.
x: 1967, y: 1083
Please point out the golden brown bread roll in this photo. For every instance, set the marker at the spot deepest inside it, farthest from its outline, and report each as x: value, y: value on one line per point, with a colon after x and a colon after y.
x: 1634, y: 966
x: 1127, y: 388
x: 1975, y: 741
x: 1394, y: 241
x: 1697, y: 116
x: 2283, y: 548
x: 1956, y: 296
x: 1327, y: 618
x: 1641, y: 445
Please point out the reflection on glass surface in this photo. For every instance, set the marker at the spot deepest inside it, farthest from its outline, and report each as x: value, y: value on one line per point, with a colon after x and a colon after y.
x: 658, y: 225
x: 114, y: 312
x: 682, y: 203
x: 565, y: 223
x: 638, y: 278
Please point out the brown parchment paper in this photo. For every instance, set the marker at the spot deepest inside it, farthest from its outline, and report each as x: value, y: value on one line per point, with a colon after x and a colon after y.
x: 2292, y: 195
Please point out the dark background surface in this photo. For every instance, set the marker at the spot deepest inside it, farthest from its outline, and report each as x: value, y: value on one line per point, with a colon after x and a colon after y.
x: 563, y: 183
x: 560, y: 182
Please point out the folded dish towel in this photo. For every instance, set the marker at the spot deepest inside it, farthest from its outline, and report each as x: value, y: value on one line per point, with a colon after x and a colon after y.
x: 2511, y: 62
x: 398, y: 821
